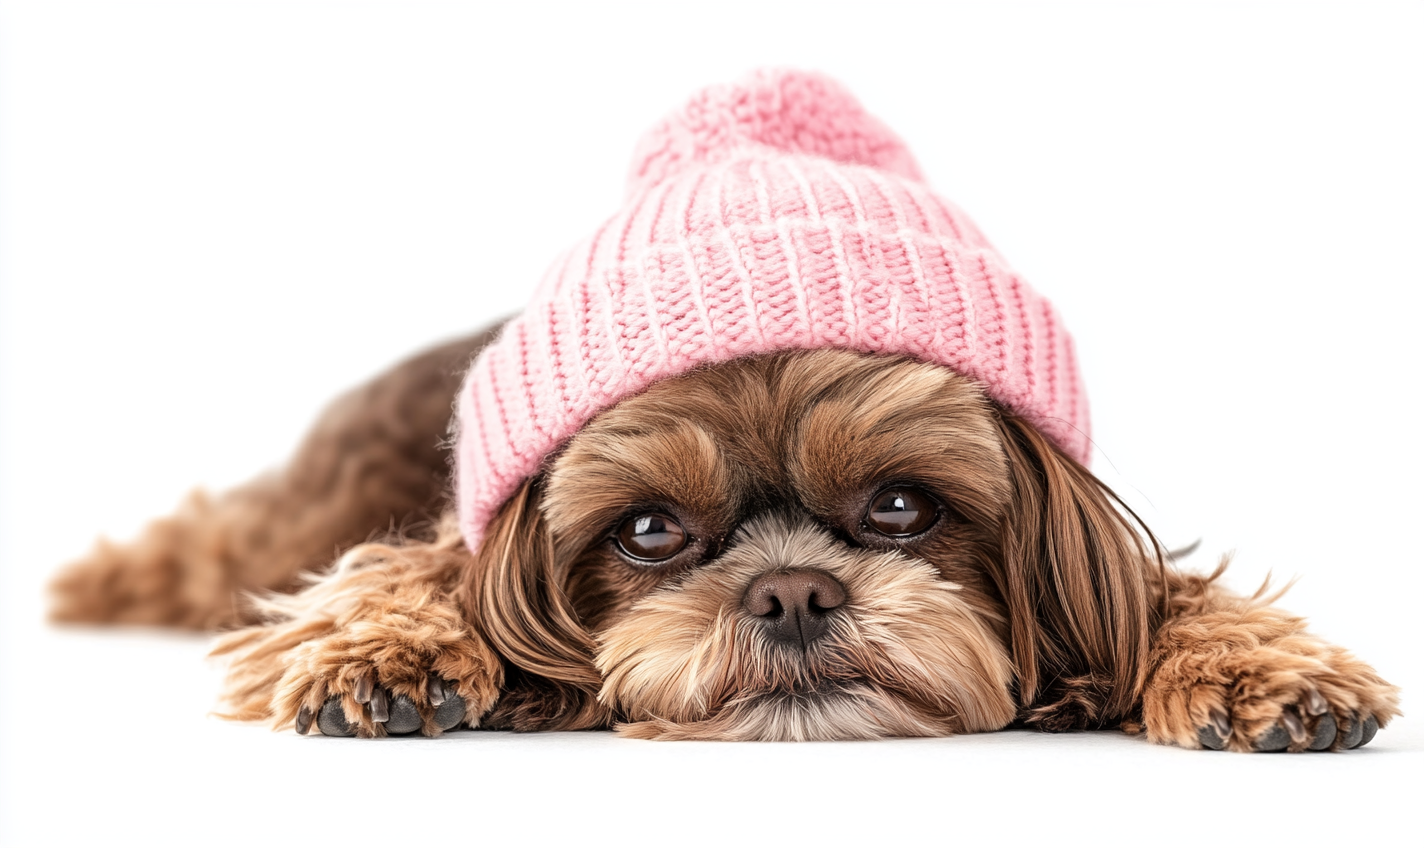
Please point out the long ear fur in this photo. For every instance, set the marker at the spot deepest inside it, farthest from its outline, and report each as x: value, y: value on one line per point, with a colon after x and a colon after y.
x: 1074, y: 560
x: 513, y: 591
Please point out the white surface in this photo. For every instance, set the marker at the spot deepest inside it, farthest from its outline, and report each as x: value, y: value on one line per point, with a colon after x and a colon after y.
x: 215, y: 215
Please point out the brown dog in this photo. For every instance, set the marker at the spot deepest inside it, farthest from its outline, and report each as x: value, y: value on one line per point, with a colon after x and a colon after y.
x: 805, y: 545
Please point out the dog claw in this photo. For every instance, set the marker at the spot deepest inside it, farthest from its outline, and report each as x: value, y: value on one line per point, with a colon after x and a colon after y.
x: 1221, y: 720
x: 1209, y: 738
x: 362, y: 692
x: 404, y: 716
x: 379, y: 706
x: 332, y: 719
x: 450, y: 713
x: 1294, y: 726
x: 1276, y: 738
x: 435, y: 690
x: 1215, y: 735
x: 1324, y: 733
x: 1351, y: 733
x: 304, y: 720
x: 1369, y: 729
x: 1315, y: 704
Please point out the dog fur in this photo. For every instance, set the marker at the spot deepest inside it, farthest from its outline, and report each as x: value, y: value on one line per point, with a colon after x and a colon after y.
x: 1035, y: 597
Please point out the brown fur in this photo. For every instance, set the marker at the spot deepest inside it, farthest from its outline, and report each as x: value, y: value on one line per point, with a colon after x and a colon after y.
x: 1249, y: 663
x: 373, y: 463
x: 1036, y: 596
x: 384, y: 612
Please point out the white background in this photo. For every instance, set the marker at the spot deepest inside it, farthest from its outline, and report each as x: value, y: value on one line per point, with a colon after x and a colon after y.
x: 215, y: 215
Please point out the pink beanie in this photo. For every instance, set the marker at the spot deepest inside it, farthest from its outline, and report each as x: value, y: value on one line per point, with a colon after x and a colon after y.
x: 772, y: 214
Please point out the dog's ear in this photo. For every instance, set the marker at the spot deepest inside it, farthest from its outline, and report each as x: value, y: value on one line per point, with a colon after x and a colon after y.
x: 1074, y: 561
x: 512, y: 590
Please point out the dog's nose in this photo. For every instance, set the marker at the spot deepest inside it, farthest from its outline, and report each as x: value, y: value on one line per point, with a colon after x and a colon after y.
x: 792, y: 605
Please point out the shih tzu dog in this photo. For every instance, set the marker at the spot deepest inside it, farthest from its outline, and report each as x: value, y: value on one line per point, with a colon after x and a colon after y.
x: 784, y: 451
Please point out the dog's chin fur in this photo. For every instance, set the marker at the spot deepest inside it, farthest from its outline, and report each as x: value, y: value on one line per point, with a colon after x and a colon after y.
x: 1033, y: 597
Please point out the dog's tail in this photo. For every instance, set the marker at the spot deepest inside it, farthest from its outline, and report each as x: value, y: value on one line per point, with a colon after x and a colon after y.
x: 374, y: 465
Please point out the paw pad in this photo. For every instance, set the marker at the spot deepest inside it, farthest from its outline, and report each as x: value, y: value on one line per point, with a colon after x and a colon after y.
x: 399, y: 714
x: 1290, y: 730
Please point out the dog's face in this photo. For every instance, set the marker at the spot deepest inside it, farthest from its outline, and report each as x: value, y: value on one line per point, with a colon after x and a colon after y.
x: 810, y: 545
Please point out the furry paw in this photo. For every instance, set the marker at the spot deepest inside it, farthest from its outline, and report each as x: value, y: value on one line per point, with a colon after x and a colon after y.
x: 1292, y: 729
x: 389, y: 674
x: 1295, y: 694
x: 376, y: 646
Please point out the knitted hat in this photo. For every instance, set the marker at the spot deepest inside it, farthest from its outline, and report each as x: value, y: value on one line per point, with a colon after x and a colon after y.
x: 772, y: 214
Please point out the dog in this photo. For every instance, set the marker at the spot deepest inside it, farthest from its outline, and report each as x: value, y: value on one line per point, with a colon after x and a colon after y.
x: 845, y: 512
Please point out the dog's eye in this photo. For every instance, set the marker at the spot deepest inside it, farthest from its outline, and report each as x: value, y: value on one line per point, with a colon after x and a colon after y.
x: 901, y: 511
x: 651, y: 537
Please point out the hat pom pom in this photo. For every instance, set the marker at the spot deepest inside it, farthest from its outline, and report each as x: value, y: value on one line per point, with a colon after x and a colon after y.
x: 788, y: 111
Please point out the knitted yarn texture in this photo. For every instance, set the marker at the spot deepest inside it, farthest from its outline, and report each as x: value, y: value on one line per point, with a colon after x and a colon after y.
x: 772, y: 214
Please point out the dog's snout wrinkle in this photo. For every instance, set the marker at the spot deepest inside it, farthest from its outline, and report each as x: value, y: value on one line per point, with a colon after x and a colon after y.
x: 792, y: 605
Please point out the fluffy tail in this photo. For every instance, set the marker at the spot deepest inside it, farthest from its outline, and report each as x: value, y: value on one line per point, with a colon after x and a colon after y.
x: 375, y: 462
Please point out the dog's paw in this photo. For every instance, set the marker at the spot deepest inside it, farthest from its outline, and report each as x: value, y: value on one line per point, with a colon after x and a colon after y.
x: 1295, y: 729
x: 398, y: 715
x: 389, y: 675
x: 1296, y: 694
